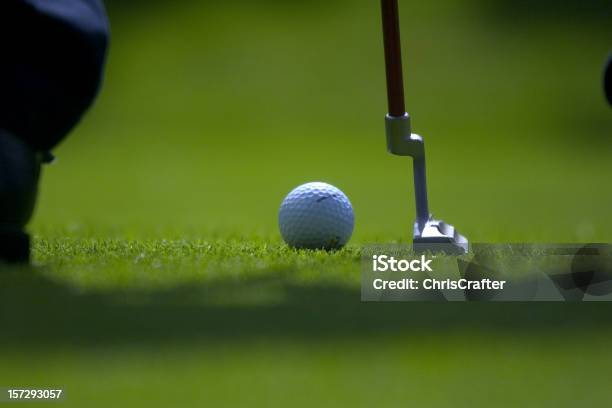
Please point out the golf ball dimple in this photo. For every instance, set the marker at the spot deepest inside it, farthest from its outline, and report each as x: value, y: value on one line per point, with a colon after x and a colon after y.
x: 316, y: 216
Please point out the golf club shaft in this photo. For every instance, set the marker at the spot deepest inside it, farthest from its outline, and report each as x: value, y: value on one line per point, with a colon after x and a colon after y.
x: 420, y: 191
x: 393, y: 57
x: 395, y: 96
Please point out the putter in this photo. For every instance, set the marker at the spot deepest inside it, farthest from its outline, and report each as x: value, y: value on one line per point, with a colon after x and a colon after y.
x: 429, y: 234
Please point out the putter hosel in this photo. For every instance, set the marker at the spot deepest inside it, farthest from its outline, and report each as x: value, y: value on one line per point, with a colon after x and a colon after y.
x: 401, y: 142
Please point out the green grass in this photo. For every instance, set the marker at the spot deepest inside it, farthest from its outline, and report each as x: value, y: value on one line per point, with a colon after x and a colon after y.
x: 425, y: 370
x: 159, y: 277
x: 112, y: 264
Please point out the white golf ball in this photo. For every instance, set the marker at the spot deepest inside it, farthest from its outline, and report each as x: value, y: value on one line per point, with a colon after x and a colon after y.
x: 316, y: 216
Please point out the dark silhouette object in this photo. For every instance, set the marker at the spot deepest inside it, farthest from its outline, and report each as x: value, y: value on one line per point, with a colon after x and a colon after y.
x: 53, y: 55
x: 590, y: 274
x: 592, y: 269
x: 19, y: 173
x: 608, y: 79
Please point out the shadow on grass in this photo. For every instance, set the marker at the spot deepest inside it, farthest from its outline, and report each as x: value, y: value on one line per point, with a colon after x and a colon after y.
x: 36, y: 311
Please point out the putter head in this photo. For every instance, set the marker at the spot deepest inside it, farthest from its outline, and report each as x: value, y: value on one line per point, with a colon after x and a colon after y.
x: 438, y: 236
